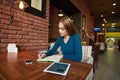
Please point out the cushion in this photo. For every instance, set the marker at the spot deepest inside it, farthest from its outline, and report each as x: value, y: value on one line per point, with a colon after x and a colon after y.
x: 86, y: 53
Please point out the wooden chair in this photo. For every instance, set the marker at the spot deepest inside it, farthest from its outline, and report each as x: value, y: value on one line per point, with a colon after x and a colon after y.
x: 95, y: 55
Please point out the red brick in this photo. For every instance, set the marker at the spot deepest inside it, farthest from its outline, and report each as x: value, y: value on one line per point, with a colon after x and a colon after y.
x: 3, y: 26
x: 31, y: 19
x: 3, y: 45
x: 6, y: 7
x: 5, y: 31
x: 18, y: 19
x: 3, y: 36
x: 22, y: 33
x: 20, y: 15
x: 25, y: 29
x: 28, y: 44
x: 4, y: 50
x: 25, y: 18
x: 14, y: 23
x: 34, y: 34
x: 28, y: 37
x: 3, y: 16
x: 8, y: 40
x: 19, y: 44
x: 20, y: 24
x: 32, y: 27
x: 0, y: 11
x: 16, y: 28
x: 33, y: 41
x: 15, y: 36
x: 3, y: 21
x: 22, y: 41
x: 6, y: 12
x: 27, y: 22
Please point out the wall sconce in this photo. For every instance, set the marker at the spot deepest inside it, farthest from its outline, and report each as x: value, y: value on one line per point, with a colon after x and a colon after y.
x: 22, y: 4
x: 60, y: 13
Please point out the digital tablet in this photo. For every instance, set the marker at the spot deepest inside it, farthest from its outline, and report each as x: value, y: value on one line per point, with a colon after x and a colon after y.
x: 58, y: 68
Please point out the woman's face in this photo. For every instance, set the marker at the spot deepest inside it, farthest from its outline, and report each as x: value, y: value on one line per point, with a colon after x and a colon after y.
x: 62, y: 30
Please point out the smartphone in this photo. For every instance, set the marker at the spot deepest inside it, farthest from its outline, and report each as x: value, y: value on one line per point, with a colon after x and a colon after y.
x: 28, y: 61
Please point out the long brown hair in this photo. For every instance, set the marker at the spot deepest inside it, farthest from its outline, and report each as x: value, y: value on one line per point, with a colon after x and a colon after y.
x: 69, y: 25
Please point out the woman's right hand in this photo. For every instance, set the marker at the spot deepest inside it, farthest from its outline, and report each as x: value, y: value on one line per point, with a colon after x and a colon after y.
x: 40, y: 56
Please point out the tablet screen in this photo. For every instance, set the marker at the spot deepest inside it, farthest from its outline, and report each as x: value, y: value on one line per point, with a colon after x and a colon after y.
x: 58, y: 68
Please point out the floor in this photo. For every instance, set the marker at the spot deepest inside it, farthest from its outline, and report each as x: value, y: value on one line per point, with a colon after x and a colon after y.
x: 109, y: 65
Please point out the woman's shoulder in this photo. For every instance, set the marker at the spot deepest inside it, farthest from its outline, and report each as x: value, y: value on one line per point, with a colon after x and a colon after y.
x: 60, y: 38
x: 75, y: 35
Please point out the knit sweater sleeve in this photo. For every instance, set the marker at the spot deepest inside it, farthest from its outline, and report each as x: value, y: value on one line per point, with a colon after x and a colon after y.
x: 55, y: 47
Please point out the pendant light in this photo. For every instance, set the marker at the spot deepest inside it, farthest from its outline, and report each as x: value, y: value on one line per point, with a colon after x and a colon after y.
x: 60, y: 13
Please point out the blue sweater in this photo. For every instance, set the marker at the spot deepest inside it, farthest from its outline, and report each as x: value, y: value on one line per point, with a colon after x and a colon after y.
x: 71, y: 50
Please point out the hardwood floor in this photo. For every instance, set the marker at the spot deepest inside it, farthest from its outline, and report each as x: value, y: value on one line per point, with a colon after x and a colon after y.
x: 108, y: 65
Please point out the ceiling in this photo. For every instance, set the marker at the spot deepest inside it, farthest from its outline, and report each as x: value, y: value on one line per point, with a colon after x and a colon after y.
x: 65, y: 5
x: 97, y: 8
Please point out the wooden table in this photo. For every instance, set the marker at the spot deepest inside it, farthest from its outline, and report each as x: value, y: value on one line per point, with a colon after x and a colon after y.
x: 12, y: 67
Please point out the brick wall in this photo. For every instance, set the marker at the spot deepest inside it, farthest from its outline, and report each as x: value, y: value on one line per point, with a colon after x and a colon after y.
x: 28, y: 31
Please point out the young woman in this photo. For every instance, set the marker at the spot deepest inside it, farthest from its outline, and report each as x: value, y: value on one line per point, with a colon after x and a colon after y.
x: 69, y: 41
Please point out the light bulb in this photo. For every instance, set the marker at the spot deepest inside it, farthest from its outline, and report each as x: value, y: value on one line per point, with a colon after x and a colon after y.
x: 114, y: 4
x: 60, y: 13
x: 21, y: 4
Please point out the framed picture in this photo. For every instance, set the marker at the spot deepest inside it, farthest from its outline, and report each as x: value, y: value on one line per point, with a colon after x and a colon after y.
x: 83, y: 26
x: 83, y: 22
x: 36, y: 7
